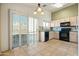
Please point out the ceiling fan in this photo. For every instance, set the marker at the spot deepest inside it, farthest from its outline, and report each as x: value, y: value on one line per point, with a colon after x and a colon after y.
x: 39, y: 10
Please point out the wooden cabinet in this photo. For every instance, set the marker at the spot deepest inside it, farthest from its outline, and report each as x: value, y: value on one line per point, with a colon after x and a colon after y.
x: 56, y: 35
x: 52, y: 24
x: 73, y: 36
x: 55, y: 23
x: 51, y: 35
x: 73, y: 21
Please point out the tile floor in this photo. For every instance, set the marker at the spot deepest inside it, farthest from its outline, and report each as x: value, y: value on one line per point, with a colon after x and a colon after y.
x: 51, y: 48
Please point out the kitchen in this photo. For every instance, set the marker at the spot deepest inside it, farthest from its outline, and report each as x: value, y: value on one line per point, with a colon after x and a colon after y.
x: 68, y: 14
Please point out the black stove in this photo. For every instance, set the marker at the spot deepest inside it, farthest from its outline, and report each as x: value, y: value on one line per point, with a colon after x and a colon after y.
x: 64, y: 33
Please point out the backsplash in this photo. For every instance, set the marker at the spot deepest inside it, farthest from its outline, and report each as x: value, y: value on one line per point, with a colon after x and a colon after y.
x: 74, y: 29
x: 56, y: 29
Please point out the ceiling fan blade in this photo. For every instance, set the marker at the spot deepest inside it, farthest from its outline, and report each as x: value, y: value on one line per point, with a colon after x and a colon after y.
x: 44, y: 5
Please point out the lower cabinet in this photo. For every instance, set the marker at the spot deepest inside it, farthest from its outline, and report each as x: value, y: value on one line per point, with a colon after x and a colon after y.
x: 51, y: 35
x: 74, y: 37
x: 45, y: 36
x: 56, y: 35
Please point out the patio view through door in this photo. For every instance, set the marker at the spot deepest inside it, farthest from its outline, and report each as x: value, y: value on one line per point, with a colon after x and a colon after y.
x: 24, y: 30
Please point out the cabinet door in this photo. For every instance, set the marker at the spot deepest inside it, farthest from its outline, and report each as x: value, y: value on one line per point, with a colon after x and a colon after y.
x: 56, y: 35
x: 73, y: 21
x: 51, y: 35
x: 73, y: 37
x: 52, y: 24
x: 66, y: 19
x: 56, y: 23
x: 62, y: 20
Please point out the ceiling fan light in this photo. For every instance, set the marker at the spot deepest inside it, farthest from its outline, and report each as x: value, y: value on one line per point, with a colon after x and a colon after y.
x: 35, y: 12
x: 39, y: 9
x: 42, y: 13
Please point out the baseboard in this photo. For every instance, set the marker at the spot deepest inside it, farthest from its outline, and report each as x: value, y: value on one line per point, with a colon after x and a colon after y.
x: 74, y: 42
x: 53, y: 38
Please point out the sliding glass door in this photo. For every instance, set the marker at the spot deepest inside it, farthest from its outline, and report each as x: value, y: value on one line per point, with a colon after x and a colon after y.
x: 19, y: 30
x: 32, y: 31
x: 24, y: 30
x: 16, y: 29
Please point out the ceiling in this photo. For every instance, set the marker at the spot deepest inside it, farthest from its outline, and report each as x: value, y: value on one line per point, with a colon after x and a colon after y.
x: 47, y: 6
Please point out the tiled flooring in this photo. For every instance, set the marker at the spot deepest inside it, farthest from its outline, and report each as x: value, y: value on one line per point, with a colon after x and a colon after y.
x: 51, y: 48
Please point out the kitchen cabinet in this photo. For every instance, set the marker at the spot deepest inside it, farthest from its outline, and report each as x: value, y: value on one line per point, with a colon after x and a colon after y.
x: 56, y: 35
x: 66, y: 19
x: 74, y: 36
x: 55, y: 23
x: 73, y: 21
x: 62, y: 20
x: 51, y: 35
x: 52, y: 24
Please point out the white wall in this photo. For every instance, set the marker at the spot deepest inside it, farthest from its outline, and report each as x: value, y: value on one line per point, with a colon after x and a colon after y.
x: 4, y: 20
x: 0, y: 28
x: 78, y: 29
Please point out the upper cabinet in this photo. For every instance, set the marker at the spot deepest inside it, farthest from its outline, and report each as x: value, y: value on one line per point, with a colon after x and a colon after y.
x: 64, y: 20
x: 55, y: 23
x: 52, y: 24
x: 73, y: 20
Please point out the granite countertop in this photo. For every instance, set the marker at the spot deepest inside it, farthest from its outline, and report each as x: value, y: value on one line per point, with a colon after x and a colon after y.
x: 44, y: 31
x: 73, y: 31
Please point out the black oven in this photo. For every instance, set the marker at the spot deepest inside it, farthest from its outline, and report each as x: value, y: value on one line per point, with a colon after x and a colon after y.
x: 64, y: 33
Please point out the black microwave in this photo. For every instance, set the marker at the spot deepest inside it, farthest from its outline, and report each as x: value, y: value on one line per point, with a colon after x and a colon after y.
x: 65, y: 24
